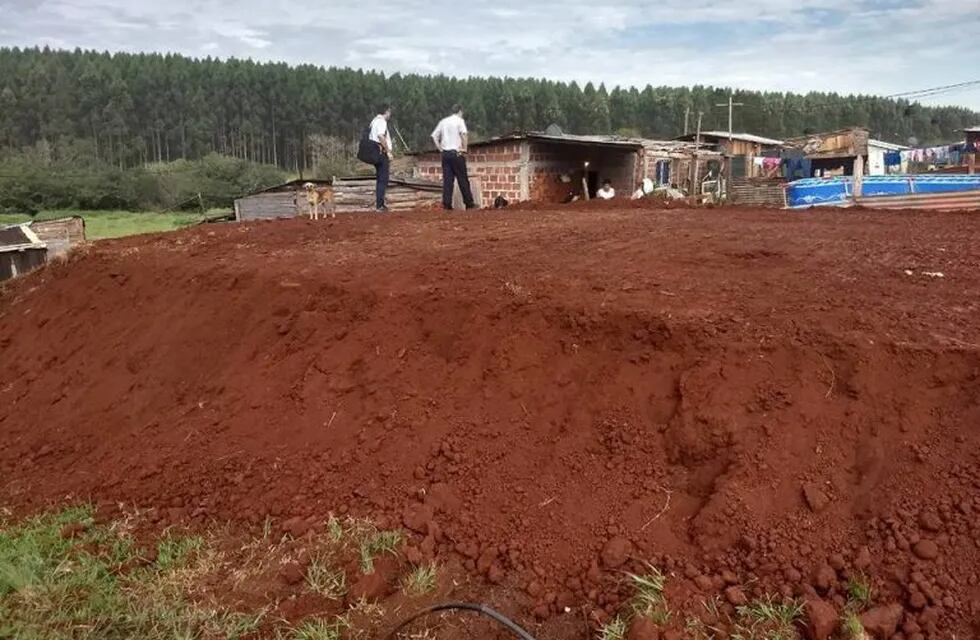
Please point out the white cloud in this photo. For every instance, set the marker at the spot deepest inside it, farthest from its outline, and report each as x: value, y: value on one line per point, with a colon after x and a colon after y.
x: 865, y: 46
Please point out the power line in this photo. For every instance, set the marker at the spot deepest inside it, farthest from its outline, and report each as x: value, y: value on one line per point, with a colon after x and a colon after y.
x: 933, y: 90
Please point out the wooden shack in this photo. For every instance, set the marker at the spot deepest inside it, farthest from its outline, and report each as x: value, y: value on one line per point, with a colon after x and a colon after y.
x: 21, y: 251
x: 834, y: 152
x: 60, y: 235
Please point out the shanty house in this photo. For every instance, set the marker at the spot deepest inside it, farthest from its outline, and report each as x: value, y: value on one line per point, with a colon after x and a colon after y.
x: 735, y: 144
x: 21, y: 251
x: 61, y: 234
x: 550, y: 166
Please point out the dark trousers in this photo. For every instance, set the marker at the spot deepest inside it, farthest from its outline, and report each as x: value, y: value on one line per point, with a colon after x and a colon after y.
x: 454, y: 169
x: 383, y: 168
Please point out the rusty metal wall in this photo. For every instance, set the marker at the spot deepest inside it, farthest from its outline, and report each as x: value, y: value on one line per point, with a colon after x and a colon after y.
x: 955, y: 201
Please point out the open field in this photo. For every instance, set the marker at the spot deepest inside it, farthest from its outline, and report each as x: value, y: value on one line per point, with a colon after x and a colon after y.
x: 722, y: 423
x: 100, y: 225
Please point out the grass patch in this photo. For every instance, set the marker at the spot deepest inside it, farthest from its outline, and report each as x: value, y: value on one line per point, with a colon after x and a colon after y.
x: 615, y: 629
x: 859, y: 592
x: 100, y: 225
x: 322, y: 578
x: 378, y: 544
x: 320, y: 630
x: 768, y: 619
x: 852, y: 627
x: 649, y: 600
x: 95, y: 585
x: 421, y: 580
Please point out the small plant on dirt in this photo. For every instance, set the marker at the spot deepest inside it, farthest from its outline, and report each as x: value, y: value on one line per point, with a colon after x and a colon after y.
x: 698, y: 629
x: 649, y: 600
x: 859, y: 592
x: 615, y: 629
x: 325, y: 580
x: 320, y: 630
x: 379, y: 543
x: 768, y: 619
x: 852, y: 627
x: 335, y: 529
x: 421, y: 580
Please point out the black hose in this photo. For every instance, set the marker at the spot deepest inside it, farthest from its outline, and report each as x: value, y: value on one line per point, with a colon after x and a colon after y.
x: 464, y: 606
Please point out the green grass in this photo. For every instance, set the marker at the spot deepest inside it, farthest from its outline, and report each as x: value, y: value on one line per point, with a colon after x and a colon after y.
x: 100, y: 225
x: 377, y: 544
x: 326, y: 580
x: 421, y: 581
x: 859, y: 592
x: 615, y: 629
x: 852, y: 627
x: 768, y: 619
x: 320, y: 630
x: 97, y: 586
x: 649, y: 600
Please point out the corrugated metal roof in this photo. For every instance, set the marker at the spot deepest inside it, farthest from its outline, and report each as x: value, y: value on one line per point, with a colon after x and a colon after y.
x: 18, y: 237
x: 972, y: 129
x: 565, y: 138
x: 881, y: 144
x: 744, y: 137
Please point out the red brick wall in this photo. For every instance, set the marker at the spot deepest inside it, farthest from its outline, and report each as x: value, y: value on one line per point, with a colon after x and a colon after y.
x: 498, y: 167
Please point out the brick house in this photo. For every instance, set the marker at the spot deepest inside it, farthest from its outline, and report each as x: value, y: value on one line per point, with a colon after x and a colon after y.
x: 546, y: 167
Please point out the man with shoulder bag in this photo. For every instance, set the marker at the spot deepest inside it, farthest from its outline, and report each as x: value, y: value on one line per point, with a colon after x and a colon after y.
x: 376, y: 149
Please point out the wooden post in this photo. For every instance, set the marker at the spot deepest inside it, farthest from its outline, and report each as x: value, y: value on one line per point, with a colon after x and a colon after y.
x: 971, y: 163
x: 858, y: 176
x: 695, y: 182
x: 585, y: 183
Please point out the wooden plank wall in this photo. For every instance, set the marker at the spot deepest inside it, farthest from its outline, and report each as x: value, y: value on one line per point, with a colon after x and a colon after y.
x: 270, y: 206
x: 60, y: 235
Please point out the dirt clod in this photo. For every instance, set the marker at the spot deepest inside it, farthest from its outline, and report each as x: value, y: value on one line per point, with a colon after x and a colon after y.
x: 616, y: 552
x: 926, y: 549
x: 816, y: 498
x: 882, y: 622
x: 643, y: 628
x: 822, y: 619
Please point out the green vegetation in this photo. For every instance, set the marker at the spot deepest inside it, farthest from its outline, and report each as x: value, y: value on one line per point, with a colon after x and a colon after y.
x: 326, y: 580
x: 97, y: 584
x: 852, y: 627
x: 615, y: 629
x: 649, y: 600
x: 115, y: 224
x: 859, y: 593
x: 377, y: 544
x: 320, y: 630
x: 768, y: 619
x: 421, y: 581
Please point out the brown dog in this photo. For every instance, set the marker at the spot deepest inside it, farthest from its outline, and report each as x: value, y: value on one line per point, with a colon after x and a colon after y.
x: 316, y: 196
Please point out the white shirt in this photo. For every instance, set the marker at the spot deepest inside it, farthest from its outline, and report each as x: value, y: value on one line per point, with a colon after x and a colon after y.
x: 449, y: 133
x: 379, y: 127
x: 606, y: 194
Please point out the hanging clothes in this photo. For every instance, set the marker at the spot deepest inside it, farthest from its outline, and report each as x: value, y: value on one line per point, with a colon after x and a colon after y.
x: 893, y: 159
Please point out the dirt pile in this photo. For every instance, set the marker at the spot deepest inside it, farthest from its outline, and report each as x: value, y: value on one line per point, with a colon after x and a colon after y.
x: 759, y: 404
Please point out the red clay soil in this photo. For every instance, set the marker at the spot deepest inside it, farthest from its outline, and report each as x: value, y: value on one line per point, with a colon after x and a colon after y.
x: 756, y: 402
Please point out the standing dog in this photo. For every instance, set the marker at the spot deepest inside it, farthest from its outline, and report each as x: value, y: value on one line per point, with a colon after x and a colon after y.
x: 318, y: 196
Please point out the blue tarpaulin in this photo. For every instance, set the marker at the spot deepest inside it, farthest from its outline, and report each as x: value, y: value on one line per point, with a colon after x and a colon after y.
x: 839, y: 191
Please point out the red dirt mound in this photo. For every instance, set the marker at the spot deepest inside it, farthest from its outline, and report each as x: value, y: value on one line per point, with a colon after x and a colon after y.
x: 758, y: 403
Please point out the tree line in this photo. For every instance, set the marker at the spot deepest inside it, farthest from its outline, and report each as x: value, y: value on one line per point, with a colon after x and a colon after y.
x: 135, y: 109
x: 84, y: 129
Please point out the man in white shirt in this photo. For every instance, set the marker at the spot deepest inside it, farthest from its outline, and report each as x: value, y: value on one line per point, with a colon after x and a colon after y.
x: 379, y: 134
x: 450, y: 137
x: 606, y: 192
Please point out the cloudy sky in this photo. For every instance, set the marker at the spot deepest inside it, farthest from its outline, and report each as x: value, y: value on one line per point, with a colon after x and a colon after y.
x: 850, y: 46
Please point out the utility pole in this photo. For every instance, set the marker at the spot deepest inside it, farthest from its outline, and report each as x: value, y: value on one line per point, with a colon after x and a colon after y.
x: 695, y: 183
x: 731, y: 108
x: 687, y: 116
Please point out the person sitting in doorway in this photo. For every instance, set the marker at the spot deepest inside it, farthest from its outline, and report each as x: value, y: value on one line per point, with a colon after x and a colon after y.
x: 606, y: 192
